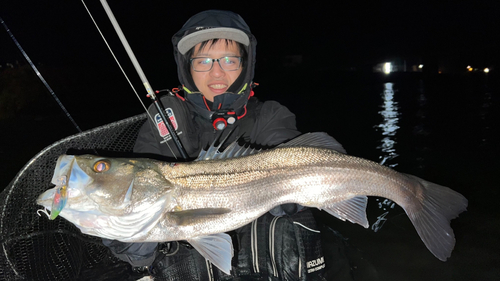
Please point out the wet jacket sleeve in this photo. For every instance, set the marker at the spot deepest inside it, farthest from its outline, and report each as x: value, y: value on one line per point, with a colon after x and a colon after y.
x: 146, y: 141
x: 275, y: 124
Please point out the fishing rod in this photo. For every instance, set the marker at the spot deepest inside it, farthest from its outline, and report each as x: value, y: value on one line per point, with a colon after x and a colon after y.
x: 44, y: 82
x: 151, y: 94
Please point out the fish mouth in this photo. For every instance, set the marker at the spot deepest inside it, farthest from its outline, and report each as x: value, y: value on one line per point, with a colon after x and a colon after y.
x: 67, y: 175
x: 62, y: 174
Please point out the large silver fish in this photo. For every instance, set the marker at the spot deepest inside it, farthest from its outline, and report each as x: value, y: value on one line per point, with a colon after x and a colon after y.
x: 139, y: 200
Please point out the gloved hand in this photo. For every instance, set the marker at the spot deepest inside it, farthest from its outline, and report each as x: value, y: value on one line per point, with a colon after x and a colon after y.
x: 286, y: 209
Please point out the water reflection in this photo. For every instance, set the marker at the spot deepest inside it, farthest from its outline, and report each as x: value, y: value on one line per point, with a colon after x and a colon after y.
x: 388, y: 126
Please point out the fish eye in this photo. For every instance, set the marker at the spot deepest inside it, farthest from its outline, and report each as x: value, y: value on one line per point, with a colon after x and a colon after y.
x: 101, y: 166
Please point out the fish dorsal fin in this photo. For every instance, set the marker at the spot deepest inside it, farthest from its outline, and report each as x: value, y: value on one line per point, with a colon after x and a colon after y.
x: 317, y: 139
x: 217, y: 248
x: 353, y: 210
x: 210, y: 153
x: 233, y: 150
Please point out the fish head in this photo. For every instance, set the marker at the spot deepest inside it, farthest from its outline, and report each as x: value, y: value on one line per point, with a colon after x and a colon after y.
x: 93, y: 186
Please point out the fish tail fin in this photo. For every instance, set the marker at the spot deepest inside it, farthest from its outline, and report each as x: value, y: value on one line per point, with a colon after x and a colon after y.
x: 432, y: 217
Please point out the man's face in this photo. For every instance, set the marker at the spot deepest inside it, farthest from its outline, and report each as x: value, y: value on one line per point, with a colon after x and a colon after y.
x: 216, y: 81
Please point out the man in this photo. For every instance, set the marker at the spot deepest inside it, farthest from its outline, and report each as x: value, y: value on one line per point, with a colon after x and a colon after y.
x: 215, y: 56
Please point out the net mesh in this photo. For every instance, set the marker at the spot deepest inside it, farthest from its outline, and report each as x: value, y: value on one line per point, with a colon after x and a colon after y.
x: 36, y: 248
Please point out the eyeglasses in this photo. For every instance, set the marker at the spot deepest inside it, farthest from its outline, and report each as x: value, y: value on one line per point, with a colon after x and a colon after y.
x: 226, y: 63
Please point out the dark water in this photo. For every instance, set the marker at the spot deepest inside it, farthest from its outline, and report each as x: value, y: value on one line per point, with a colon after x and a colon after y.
x: 443, y: 128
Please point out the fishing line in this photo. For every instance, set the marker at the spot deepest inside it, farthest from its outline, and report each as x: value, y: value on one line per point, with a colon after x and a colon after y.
x: 44, y: 82
x: 116, y: 60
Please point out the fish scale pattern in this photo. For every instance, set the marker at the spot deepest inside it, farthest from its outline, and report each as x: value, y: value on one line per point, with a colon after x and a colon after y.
x: 36, y: 248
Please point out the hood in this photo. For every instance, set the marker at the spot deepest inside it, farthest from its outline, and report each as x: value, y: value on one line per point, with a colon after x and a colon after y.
x: 208, y: 25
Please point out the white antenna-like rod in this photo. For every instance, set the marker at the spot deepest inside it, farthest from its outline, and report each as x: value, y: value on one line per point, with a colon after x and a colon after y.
x: 127, y: 48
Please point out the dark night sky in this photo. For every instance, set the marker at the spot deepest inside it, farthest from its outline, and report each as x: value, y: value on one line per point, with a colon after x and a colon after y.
x: 60, y: 36
x: 61, y: 32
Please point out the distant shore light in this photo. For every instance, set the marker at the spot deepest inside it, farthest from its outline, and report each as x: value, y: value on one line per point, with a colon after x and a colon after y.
x: 486, y: 70
x: 420, y: 66
x: 387, y: 67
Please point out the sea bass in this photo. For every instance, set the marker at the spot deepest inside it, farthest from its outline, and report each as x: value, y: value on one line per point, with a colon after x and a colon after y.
x: 144, y: 200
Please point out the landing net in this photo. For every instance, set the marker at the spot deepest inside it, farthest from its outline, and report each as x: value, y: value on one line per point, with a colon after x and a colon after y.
x: 36, y: 248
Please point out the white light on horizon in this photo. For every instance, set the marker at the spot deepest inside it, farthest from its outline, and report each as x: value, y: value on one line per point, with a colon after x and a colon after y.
x: 486, y: 70
x: 387, y: 67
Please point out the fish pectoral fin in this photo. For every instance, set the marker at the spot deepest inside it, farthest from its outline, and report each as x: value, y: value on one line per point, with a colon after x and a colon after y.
x: 186, y: 217
x: 353, y: 210
x: 217, y: 248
